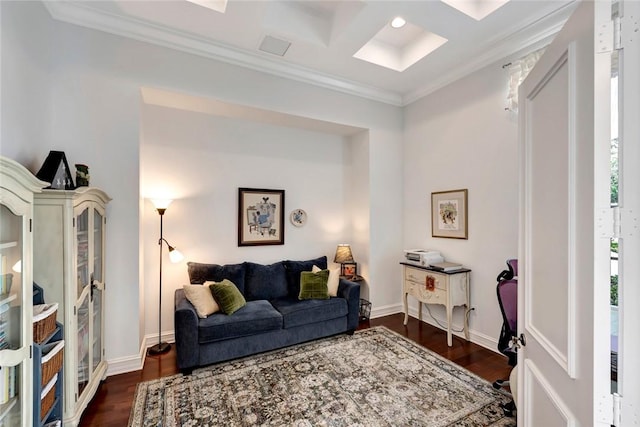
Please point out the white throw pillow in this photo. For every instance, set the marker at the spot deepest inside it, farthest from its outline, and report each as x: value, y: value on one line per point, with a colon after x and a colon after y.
x: 202, y: 299
x: 334, y: 280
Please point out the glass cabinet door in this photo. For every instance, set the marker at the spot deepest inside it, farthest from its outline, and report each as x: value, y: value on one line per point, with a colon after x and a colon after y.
x: 83, y: 343
x: 12, y: 334
x: 98, y: 286
x: 82, y: 242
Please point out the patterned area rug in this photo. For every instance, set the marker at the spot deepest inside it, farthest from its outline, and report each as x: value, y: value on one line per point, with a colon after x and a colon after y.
x: 372, y: 378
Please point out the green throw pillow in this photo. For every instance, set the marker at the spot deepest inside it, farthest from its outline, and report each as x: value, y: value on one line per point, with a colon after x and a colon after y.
x: 314, y: 285
x: 227, y: 296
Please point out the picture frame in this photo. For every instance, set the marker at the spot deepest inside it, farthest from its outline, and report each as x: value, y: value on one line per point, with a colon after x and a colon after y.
x: 449, y: 214
x: 349, y: 269
x: 260, y: 217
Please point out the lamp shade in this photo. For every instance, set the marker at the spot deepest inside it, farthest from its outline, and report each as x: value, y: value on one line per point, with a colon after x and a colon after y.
x: 161, y: 203
x: 343, y: 254
x: 175, y: 255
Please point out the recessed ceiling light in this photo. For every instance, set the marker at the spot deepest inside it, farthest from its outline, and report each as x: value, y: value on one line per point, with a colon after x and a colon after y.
x: 217, y: 5
x: 398, y: 22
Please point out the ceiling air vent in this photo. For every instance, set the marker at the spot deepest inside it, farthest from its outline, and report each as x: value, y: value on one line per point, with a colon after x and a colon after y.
x: 274, y: 46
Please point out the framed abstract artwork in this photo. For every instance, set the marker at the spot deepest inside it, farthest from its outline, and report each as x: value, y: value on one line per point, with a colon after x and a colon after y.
x: 449, y: 214
x: 260, y: 217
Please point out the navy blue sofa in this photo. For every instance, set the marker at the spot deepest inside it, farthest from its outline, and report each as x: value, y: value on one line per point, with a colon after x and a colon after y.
x: 273, y: 317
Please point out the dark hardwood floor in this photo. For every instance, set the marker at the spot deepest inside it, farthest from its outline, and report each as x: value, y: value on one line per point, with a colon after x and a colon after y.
x: 112, y: 404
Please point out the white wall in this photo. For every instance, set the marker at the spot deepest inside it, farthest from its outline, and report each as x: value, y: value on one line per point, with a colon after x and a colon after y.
x: 201, y: 160
x: 93, y: 113
x: 461, y: 137
x: 25, y: 83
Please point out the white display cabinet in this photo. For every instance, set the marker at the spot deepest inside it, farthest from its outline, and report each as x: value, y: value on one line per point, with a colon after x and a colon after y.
x: 17, y: 187
x: 69, y: 259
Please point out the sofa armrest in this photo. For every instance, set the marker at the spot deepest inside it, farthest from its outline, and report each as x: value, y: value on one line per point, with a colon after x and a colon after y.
x: 351, y: 292
x: 186, y: 332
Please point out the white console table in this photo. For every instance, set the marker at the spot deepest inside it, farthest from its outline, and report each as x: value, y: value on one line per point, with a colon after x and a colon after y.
x: 428, y: 286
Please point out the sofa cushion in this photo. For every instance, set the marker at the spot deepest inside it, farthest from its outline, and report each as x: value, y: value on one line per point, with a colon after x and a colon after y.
x: 255, y: 317
x: 265, y: 281
x: 227, y: 296
x: 313, y: 285
x: 202, y: 299
x: 334, y: 279
x: 294, y: 268
x: 296, y: 313
x: 200, y: 273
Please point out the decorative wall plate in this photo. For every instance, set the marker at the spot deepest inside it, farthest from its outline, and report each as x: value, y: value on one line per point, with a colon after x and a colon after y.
x: 298, y: 217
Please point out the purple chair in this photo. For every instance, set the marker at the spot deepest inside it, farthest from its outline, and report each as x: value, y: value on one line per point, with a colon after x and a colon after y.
x: 507, y: 291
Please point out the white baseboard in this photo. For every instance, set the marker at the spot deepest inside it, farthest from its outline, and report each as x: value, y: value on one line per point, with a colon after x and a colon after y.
x: 490, y: 343
x: 386, y: 310
x: 123, y: 365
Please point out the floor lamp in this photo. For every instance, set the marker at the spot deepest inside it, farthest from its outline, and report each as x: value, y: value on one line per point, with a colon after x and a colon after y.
x: 175, y: 256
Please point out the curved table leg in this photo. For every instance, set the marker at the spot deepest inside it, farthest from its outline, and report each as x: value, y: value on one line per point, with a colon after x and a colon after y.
x: 466, y: 322
x: 406, y: 309
x: 449, y: 335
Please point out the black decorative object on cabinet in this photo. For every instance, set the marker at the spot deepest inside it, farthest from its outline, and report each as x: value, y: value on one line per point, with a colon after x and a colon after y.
x: 47, y: 366
x: 55, y: 170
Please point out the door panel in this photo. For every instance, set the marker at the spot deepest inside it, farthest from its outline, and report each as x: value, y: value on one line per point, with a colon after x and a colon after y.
x: 550, y: 151
x: 551, y: 410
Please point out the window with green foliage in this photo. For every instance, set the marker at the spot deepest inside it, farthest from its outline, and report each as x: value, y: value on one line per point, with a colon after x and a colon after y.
x: 614, y: 202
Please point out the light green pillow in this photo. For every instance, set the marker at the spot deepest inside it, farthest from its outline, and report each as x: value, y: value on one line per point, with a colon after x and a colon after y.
x: 314, y: 285
x: 227, y: 296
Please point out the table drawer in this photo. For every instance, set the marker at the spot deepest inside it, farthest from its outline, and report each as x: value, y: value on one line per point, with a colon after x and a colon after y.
x: 421, y: 293
x: 419, y: 277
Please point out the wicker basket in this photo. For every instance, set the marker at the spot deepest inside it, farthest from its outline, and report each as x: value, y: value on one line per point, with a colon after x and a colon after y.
x: 44, y: 321
x: 365, y: 309
x: 52, y: 361
x: 48, y: 396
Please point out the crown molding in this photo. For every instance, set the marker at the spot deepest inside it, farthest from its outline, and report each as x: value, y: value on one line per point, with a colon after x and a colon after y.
x: 81, y: 14
x: 536, y: 33
x: 526, y: 38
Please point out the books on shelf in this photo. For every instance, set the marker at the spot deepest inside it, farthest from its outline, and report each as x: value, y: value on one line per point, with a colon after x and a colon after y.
x: 446, y: 266
x: 8, y: 383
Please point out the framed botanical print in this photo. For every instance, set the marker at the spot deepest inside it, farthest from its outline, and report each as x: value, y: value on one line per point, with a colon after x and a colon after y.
x: 260, y: 217
x: 449, y: 214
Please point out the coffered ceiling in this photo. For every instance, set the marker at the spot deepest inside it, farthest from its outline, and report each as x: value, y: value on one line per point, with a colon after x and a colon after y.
x: 345, y: 45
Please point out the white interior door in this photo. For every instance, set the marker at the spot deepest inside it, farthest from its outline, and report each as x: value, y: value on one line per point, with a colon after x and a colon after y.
x: 563, y: 307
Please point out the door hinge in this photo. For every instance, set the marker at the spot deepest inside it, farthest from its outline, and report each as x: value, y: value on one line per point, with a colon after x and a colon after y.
x: 617, y: 33
x: 74, y: 310
x: 620, y: 223
x: 617, y: 410
x: 629, y: 29
x: 616, y: 222
x: 31, y: 352
x: 74, y: 222
x: 609, y: 37
x: 616, y: 227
